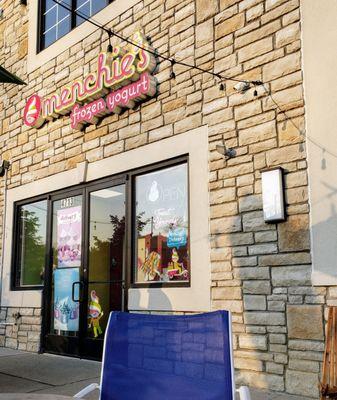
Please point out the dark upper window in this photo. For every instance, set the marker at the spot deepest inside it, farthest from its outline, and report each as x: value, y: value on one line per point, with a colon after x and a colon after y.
x: 56, y: 21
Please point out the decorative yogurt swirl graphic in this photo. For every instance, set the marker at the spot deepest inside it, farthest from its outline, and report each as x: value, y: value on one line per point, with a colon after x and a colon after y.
x: 32, y: 112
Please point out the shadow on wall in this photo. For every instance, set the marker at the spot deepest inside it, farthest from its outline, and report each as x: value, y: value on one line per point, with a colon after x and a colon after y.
x: 149, y: 299
x: 278, y: 316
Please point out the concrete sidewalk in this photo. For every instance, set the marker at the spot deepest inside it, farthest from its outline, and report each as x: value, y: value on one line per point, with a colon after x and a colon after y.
x: 22, y: 372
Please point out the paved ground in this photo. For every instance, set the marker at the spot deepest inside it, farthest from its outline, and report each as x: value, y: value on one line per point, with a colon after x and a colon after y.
x: 22, y: 372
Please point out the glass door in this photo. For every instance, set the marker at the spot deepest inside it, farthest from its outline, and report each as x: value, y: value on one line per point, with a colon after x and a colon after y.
x: 104, y: 275
x: 85, y: 277
x: 63, y: 284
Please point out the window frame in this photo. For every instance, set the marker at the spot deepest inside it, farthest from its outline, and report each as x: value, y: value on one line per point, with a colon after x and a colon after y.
x: 15, y: 258
x: 41, y: 25
x: 141, y: 171
x: 129, y: 178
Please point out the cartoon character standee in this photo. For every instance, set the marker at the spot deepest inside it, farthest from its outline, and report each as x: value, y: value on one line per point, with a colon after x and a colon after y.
x: 175, y: 268
x: 95, y: 314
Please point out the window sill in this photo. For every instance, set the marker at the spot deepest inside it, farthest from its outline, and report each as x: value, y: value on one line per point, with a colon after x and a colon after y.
x: 36, y: 60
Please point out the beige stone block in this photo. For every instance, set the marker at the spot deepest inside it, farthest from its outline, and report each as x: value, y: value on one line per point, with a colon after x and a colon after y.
x: 287, y: 35
x: 215, y: 105
x: 226, y: 224
x: 174, y: 104
x: 188, y: 123
x: 204, y: 33
x: 151, y: 111
x: 206, y: 9
x: 290, y: 132
x: 255, y: 303
x: 291, y: 276
x: 302, y: 383
x: 257, y: 34
x: 247, y: 4
x: 262, y: 60
x: 254, y: 12
x: 175, y: 115
x: 235, y: 306
x: 161, y: 133
x: 225, y: 293
x: 253, y: 342
x: 291, y: 17
x: 136, y: 141
x: 260, y: 380
x: 295, y: 179
x: 257, y: 133
x: 282, y: 66
x: 151, y: 124
x: 297, y: 195
x: 255, y: 49
x: 23, y: 48
x: 294, y: 233
x: 304, y: 365
x: 236, y: 170
x: 284, y: 155
x: 230, y: 25
x: 278, y: 11
x: 247, y: 110
x: 225, y: 14
x: 222, y: 195
x: 184, y: 12
x: 246, y: 363
x: 224, y: 210
x: 113, y: 148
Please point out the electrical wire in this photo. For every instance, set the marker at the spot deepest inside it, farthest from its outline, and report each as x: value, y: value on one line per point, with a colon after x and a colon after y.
x: 172, y: 60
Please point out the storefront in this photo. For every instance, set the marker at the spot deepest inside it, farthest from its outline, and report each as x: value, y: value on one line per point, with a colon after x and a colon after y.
x: 121, y: 195
x: 79, y: 241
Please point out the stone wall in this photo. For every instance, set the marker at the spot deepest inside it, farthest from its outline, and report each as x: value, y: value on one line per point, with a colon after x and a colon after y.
x: 20, y: 328
x: 261, y: 272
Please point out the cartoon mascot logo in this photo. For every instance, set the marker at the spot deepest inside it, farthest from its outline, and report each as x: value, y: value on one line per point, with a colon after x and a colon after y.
x: 32, y: 113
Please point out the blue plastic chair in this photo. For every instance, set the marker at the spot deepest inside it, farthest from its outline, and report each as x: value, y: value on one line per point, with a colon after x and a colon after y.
x: 166, y: 357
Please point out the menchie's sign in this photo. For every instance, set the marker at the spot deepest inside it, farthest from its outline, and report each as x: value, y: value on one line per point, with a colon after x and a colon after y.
x: 123, y: 77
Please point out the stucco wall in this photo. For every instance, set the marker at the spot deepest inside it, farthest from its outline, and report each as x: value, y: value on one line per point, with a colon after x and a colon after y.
x: 320, y: 60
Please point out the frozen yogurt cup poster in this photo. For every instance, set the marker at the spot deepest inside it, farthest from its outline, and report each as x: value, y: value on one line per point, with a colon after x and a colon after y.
x: 66, y: 311
x: 69, y: 237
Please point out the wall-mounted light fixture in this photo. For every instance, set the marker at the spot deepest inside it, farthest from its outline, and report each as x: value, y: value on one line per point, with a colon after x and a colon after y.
x: 273, y: 195
x: 3, y: 167
x: 227, y: 153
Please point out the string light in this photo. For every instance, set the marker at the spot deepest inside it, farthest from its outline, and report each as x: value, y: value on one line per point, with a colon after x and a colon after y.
x: 173, y: 61
x: 109, y: 48
x: 110, y: 32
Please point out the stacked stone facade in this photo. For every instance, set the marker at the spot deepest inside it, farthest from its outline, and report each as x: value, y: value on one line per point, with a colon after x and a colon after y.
x: 261, y: 272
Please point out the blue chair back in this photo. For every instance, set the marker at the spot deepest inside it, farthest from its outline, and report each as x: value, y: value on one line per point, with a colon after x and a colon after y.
x: 166, y: 357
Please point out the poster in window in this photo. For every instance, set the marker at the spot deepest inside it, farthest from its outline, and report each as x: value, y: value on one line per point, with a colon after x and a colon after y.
x: 162, y: 226
x: 69, y: 237
x: 66, y: 311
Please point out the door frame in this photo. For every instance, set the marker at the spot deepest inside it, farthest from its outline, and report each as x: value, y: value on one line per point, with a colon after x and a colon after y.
x: 52, y: 343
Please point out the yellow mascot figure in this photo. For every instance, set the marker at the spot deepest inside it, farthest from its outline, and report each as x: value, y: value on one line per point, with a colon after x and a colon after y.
x: 95, y: 314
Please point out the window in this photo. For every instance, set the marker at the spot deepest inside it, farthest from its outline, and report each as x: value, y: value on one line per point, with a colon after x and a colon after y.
x: 56, y: 21
x: 155, y: 225
x: 31, y: 222
x: 161, y: 219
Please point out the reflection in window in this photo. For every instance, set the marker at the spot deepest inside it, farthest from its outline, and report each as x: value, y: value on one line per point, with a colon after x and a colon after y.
x: 162, y: 223
x: 32, y: 244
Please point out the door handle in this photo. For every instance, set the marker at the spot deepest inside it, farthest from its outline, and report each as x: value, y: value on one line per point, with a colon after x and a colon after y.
x: 73, y: 291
